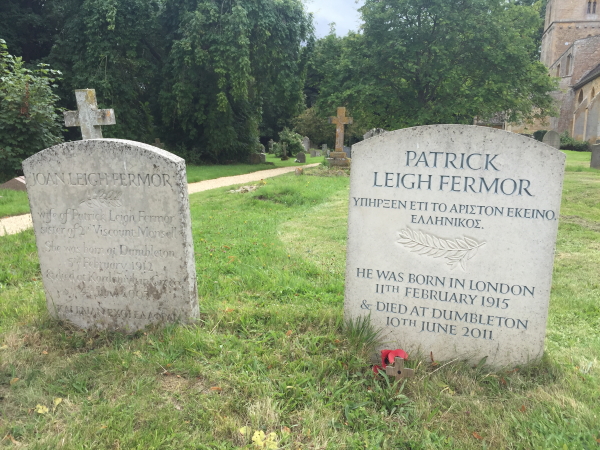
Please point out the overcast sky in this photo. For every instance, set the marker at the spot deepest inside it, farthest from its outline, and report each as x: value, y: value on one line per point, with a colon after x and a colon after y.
x: 343, y: 12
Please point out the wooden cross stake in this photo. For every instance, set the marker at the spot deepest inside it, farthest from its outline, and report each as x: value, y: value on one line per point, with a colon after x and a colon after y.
x: 88, y: 116
x: 398, y: 371
x: 340, y: 121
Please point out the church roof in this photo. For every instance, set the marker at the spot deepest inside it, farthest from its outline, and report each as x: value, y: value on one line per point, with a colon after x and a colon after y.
x: 591, y: 75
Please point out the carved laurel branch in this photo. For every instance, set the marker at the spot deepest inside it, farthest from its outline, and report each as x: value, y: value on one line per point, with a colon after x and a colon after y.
x: 456, y: 251
x: 102, y: 198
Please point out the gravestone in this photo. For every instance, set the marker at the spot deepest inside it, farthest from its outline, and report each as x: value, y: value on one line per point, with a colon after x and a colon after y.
x: 263, y: 158
x: 315, y: 153
x: 451, y: 236
x: 374, y: 132
x: 159, y: 144
x: 254, y: 158
x: 552, y: 138
x: 88, y: 117
x: 306, y: 143
x: 324, y: 147
x: 339, y: 157
x: 271, y: 143
x: 595, y: 162
x: 285, y: 155
x: 348, y: 152
x: 301, y: 157
x: 112, y: 225
x: 16, y: 184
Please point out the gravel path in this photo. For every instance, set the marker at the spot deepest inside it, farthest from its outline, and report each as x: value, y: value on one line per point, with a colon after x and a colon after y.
x: 16, y: 224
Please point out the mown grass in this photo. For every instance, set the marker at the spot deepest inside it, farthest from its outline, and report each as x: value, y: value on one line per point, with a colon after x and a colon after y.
x: 270, y: 352
x: 201, y: 173
x: 578, y: 161
x: 13, y: 203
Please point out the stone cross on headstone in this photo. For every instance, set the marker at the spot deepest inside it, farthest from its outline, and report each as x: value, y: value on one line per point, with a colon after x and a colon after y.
x: 88, y: 116
x: 398, y: 370
x: 340, y: 121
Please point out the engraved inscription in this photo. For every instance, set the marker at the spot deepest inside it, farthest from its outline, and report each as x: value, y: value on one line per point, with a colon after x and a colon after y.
x: 101, y: 198
x: 456, y: 251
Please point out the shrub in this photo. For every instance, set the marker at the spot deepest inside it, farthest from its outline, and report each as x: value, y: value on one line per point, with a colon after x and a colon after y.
x: 539, y: 135
x: 29, y: 119
x: 568, y: 143
x: 294, y: 142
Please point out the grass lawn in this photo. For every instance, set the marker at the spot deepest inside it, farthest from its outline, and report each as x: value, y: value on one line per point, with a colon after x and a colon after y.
x: 13, y: 203
x: 270, y: 353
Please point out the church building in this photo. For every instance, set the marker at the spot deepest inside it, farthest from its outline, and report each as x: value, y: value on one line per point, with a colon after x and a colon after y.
x: 571, y: 51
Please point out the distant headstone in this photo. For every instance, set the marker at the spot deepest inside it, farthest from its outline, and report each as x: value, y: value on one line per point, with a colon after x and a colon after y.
x: 374, y: 132
x: 16, y: 184
x: 328, y: 153
x: 348, y: 151
x: 324, y: 147
x: 340, y: 120
x: 301, y: 157
x: 552, y: 138
x: 263, y: 158
x: 306, y: 144
x: 271, y: 143
x: 285, y: 155
x: 595, y: 163
x: 315, y: 153
x: 88, y: 116
x: 255, y: 158
x: 451, y: 236
x: 112, y: 225
x: 158, y: 144
x: 339, y: 158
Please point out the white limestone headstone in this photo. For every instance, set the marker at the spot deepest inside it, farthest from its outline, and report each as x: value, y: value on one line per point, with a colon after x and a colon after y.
x: 451, y: 238
x: 112, y: 225
x: 306, y: 144
x: 552, y: 138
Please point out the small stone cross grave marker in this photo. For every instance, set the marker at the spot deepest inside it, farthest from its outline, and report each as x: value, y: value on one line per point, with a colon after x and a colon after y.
x: 88, y: 116
x: 340, y: 121
x: 398, y: 370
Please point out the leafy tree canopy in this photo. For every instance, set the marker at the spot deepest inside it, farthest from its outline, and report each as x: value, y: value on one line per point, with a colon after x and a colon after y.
x: 29, y: 119
x: 438, y: 61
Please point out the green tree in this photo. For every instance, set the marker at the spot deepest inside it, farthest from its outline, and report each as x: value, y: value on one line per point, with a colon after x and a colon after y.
x: 232, y: 66
x: 116, y: 48
x: 29, y: 119
x: 440, y: 61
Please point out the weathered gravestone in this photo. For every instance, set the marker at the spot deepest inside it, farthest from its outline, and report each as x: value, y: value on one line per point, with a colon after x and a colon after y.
x: 451, y: 236
x: 16, y: 184
x: 315, y: 153
x: 374, y: 132
x: 552, y: 138
x: 270, y: 146
x: 88, y: 117
x: 112, y: 225
x: 255, y: 158
x: 263, y: 158
x: 284, y: 156
x: 306, y: 144
x: 300, y: 157
x: 324, y: 147
x: 339, y: 157
x: 348, y: 152
x: 595, y: 162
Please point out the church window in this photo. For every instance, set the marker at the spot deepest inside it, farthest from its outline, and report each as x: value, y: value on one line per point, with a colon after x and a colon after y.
x: 558, y: 71
x: 589, y: 7
x: 593, y: 93
x: 580, y: 99
x: 594, y: 8
x: 569, y: 64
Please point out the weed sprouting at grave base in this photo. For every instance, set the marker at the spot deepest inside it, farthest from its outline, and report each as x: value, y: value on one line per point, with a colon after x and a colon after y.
x: 270, y: 351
